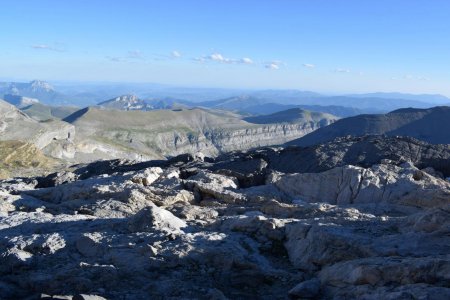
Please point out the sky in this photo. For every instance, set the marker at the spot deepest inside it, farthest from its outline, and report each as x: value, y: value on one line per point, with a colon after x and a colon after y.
x: 339, y: 46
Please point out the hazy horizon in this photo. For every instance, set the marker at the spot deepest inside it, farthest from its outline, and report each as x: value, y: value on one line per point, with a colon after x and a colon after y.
x: 234, y: 91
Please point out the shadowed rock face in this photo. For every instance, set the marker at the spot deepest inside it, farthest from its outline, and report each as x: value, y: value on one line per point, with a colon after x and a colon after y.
x: 424, y: 124
x: 364, y: 218
x: 360, y: 151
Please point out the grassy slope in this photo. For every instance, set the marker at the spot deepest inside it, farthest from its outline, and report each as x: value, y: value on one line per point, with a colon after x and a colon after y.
x: 151, y: 132
x: 43, y: 112
x: 18, y: 158
x: 294, y: 115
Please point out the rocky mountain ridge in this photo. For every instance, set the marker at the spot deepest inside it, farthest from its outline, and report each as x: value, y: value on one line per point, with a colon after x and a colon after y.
x: 425, y: 124
x: 163, y: 133
x: 126, y: 102
x: 20, y: 101
x: 331, y: 221
x: 94, y: 133
x: 16, y: 125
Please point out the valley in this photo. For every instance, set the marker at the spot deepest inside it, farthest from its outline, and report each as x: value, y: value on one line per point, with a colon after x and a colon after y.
x: 99, y: 132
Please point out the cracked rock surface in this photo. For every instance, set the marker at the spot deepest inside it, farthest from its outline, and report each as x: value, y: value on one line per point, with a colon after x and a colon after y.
x: 334, y: 221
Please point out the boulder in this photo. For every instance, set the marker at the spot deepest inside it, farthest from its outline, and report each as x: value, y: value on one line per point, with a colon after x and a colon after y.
x: 379, y: 271
x: 89, y: 244
x: 306, y: 289
x: 15, y: 259
x: 153, y: 218
x: 147, y: 176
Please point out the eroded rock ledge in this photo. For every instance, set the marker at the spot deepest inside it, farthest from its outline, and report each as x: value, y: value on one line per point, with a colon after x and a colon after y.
x: 365, y: 218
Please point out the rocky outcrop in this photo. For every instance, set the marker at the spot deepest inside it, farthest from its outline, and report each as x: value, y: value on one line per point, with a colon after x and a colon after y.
x: 384, y: 183
x: 126, y: 102
x: 363, y: 151
x: 15, y: 125
x: 244, y: 225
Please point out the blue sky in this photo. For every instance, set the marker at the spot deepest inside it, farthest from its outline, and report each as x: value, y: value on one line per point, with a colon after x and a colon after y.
x: 334, y: 46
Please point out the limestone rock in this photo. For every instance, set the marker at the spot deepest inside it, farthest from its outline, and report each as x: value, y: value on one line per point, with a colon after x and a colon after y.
x: 155, y: 218
x: 89, y: 244
x: 360, y: 218
x: 257, y: 224
x: 15, y: 259
x: 147, y: 176
x: 379, y: 271
x: 306, y: 289
x: 87, y: 297
x: 378, y: 184
x: 216, y: 186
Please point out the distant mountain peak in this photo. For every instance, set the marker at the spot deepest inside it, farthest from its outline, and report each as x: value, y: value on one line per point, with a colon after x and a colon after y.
x: 36, y: 85
x: 127, y: 97
x: 126, y: 102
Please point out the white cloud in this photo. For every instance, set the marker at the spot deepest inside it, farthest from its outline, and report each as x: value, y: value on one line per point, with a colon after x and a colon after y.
x: 46, y: 47
x: 311, y: 66
x: 341, y: 70
x: 40, y: 46
x: 135, y: 54
x: 176, y: 54
x: 115, y: 58
x: 216, y: 57
x: 199, y: 59
x: 246, y: 60
x: 412, y: 77
x: 272, y: 66
x: 219, y: 58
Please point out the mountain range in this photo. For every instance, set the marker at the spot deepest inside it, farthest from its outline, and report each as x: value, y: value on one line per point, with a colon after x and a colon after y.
x: 427, y: 98
x: 242, y: 101
x: 37, y: 89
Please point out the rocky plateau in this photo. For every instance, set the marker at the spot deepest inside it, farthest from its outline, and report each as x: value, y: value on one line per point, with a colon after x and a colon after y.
x: 355, y: 218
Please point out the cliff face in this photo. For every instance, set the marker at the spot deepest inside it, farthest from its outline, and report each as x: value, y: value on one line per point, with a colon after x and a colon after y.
x: 127, y: 144
x: 15, y: 125
x: 261, y: 135
x: 158, y: 134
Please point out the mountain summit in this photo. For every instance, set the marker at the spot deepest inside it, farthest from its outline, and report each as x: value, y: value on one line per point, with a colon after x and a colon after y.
x: 40, y: 86
x: 36, y: 89
x: 126, y: 102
